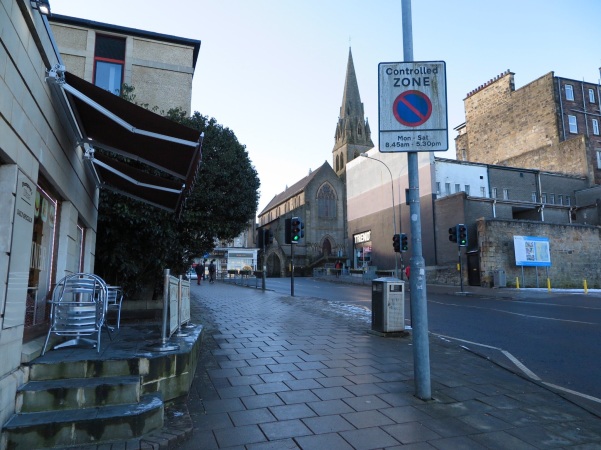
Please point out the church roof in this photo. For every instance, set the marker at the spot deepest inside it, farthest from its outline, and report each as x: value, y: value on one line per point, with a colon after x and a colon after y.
x: 293, y: 190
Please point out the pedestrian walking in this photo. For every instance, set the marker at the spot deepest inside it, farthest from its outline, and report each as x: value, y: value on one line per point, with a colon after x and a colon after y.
x: 199, y: 268
x: 212, y: 271
x: 338, y: 268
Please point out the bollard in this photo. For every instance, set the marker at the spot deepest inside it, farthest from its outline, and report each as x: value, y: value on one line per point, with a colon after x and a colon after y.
x: 549, y: 284
x: 517, y: 282
x: 585, y: 287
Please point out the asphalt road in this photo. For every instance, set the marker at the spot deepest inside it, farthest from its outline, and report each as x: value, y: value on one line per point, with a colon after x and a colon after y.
x: 555, y: 337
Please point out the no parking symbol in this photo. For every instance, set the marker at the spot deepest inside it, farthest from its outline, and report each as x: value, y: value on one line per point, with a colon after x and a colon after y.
x: 412, y: 108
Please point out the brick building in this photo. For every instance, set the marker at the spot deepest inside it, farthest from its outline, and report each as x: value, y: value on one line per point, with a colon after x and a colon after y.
x: 550, y: 124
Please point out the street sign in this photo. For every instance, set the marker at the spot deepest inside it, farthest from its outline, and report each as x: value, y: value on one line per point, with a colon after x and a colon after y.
x: 413, y: 106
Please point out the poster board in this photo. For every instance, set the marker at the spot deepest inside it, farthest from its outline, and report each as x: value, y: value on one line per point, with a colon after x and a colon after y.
x: 532, y: 251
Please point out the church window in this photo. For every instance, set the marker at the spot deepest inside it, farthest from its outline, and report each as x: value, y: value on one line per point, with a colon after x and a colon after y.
x: 326, y: 202
x: 337, y: 163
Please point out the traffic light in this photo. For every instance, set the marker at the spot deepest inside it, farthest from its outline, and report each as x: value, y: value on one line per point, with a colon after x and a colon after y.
x: 404, y: 242
x: 396, y: 243
x: 462, y: 235
x: 453, y: 234
x: 287, y: 231
x: 260, y: 238
x: 269, y: 237
x: 296, y: 231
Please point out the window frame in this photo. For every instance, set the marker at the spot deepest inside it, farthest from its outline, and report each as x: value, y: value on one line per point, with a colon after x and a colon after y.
x: 572, y: 124
x: 569, y: 90
x: 591, y: 95
x: 107, y: 60
x: 595, y: 127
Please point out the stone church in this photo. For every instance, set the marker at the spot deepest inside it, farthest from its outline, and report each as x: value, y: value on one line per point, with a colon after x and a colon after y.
x: 319, y: 199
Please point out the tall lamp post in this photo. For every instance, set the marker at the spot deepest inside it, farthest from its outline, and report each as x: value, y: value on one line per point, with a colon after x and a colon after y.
x: 365, y: 155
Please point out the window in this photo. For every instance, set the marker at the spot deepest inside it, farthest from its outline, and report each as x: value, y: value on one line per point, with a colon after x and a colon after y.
x: 573, y: 124
x: 591, y: 95
x: 447, y: 188
x: 467, y: 189
x: 560, y: 199
x: 568, y: 200
x: 457, y: 188
x: 533, y: 197
x: 482, y: 191
x: 543, y: 197
x: 569, y: 92
x: 326, y: 202
x: 598, y: 158
x: 505, y: 194
x: 596, y: 127
x: 438, y: 188
x: 109, y: 58
x: 494, y: 192
x: 552, y: 199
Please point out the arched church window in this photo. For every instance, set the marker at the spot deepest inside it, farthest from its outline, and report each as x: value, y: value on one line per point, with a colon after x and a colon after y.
x: 337, y: 162
x: 326, y: 202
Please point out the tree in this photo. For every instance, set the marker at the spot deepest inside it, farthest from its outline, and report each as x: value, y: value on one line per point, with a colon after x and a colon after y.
x: 137, y: 241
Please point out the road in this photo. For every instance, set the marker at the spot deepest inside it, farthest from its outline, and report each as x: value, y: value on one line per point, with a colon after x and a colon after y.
x: 555, y: 337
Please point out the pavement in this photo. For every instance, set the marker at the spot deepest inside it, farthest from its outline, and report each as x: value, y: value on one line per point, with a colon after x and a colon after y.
x: 281, y: 372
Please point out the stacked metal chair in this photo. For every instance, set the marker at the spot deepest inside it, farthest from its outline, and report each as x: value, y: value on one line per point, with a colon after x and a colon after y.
x: 78, y: 310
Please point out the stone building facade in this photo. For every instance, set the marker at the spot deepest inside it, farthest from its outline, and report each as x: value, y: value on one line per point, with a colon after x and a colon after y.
x: 160, y: 67
x: 550, y: 124
x: 48, y: 198
x: 318, y: 200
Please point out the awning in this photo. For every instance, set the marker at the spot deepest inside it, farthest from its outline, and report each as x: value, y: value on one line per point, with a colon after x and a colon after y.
x: 102, y: 120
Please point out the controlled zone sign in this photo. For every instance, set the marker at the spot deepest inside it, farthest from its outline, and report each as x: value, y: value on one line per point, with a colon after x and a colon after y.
x: 413, y: 106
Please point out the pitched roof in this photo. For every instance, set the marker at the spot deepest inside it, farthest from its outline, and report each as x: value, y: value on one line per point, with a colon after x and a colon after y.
x: 293, y: 190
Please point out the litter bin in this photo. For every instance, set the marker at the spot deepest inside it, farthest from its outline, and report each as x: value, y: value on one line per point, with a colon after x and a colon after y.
x: 387, y: 304
x: 499, y: 278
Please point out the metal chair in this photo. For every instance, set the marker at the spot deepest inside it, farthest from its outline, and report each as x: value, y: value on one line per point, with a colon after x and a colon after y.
x: 78, y: 308
x: 114, y: 299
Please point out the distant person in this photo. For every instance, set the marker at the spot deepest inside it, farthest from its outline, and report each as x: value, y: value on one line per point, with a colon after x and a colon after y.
x: 199, y: 269
x: 338, y: 267
x: 212, y: 269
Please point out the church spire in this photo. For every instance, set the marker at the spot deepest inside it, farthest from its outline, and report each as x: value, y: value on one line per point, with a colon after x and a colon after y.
x: 353, y: 135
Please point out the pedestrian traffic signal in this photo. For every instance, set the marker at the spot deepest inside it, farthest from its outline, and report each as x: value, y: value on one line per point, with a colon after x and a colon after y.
x: 453, y: 234
x: 287, y: 231
x: 296, y: 231
x: 396, y: 243
x: 269, y: 237
x: 404, y: 242
x: 462, y: 235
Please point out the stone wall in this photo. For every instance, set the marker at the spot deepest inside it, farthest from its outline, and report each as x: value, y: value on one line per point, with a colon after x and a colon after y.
x: 574, y: 253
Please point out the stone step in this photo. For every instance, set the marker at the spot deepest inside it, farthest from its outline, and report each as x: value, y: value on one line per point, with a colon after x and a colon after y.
x: 99, y: 425
x: 86, y: 368
x: 77, y: 393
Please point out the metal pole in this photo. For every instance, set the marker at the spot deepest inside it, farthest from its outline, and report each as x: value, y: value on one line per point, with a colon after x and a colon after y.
x: 292, y: 270
x: 264, y: 264
x: 417, y: 281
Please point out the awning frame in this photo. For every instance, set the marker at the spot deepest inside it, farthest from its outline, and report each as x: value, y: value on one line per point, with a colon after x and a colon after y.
x: 62, y: 90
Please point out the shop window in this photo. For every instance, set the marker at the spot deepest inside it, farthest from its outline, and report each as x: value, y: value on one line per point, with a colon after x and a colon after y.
x: 109, y: 60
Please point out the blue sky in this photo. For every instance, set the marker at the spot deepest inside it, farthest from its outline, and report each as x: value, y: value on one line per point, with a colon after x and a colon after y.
x: 273, y: 70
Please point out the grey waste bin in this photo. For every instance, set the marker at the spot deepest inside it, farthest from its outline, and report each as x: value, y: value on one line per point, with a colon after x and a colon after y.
x: 499, y: 278
x: 387, y: 304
